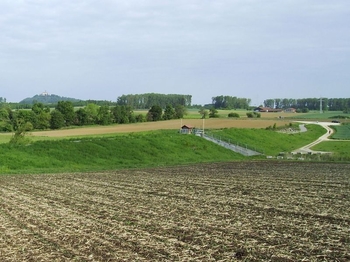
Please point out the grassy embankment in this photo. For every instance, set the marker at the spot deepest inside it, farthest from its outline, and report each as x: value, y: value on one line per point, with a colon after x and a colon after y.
x: 135, y: 150
x: 267, y: 141
x: 341, y: 146
x: 158, y: 148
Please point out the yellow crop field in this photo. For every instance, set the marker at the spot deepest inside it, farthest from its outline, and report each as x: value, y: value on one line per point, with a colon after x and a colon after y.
x: 170, y: 124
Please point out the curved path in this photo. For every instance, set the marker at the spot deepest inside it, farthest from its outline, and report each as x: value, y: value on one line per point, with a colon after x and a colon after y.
x: 307, y: 148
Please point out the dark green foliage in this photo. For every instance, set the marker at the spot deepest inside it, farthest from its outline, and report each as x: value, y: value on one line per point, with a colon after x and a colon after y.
x: 134, y: 150
x: 123, y: 114
x: 253, y: 114
x: 104, y: 115
x: 142, y: 101
x: 67, y: 110
x: 230, y: 102
x: 331, y: 104
x: 56, y: 120
x: 180, y: 111
x: 155, y: 113
x: 82, y: 117
x: 213, y: 113
x: 169, y: 112
x: 203, y: 112
x: 19, y: 137
x: 236, y: 115
x: 47, y: 99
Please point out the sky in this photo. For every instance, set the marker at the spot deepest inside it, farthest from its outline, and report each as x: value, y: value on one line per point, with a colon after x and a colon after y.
x: 102, y: 49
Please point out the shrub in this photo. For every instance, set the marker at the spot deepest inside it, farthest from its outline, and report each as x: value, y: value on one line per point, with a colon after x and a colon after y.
x: 233, y: 115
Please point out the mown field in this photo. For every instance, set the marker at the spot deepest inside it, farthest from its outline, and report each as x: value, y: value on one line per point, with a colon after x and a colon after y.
x: 342, y: 132
x: 233, y: 211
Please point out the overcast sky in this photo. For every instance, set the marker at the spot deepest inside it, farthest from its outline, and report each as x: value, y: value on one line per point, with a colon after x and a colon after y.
x: 102, y: 49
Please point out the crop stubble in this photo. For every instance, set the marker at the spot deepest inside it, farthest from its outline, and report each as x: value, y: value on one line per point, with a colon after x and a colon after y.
x: 252, y: 211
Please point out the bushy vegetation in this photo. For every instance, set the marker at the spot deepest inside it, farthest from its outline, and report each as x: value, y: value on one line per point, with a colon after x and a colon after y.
x: 253, y: 114
x: 41, y: 117
x: 113, y: 152
x: 233, y: 115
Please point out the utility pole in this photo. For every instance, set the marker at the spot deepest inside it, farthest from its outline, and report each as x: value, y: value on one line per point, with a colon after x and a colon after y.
x: 321, y: 105
x: 203, y: 125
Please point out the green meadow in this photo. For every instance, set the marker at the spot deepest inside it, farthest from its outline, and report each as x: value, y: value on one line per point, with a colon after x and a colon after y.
x: 158, y: 148
x: 342, y: 132
x: 269, y: 142
x: 145, y: 149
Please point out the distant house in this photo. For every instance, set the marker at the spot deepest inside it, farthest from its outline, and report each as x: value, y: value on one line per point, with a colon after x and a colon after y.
x: 185, y: 129
x: 267, y: 109
x: 290, y: 110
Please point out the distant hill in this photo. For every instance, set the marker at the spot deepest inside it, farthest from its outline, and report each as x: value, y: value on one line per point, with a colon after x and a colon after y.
x: 46, y: 98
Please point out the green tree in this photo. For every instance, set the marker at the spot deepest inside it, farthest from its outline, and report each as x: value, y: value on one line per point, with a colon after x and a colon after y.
x: 21, y: 130
x: 82, y: 117
x: 204, y: 113
x: 169, y: 112
x: 67, y: 110
x: 213, y: 113
x: 155, y: 113
x: 4, y: 115
x: 57, y: 119
x: 43, y: 120
x: 91, y: 111
x: 180, y: 111
x: 104, y: 115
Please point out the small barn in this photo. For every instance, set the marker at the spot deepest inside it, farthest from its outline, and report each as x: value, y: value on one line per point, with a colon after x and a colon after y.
x: 185, y: 129
x: 290, y: 110
x: 267, y: 109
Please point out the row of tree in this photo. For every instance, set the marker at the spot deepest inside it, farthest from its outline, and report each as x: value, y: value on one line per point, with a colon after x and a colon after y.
x: 64, y: 114
x: 331, y: 104
x: 142, y: 101
x: 230, y: 102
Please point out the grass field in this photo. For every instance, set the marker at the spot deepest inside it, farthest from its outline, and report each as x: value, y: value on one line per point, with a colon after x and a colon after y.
x: 245, y: 211
x: 342, y: 132
x: 156, y: 148
x: 315, y: 115
x: 269, y: 142
x: 341, y: 148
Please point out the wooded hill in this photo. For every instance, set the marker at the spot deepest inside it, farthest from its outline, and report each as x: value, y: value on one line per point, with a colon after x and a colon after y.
x: 47, y: 99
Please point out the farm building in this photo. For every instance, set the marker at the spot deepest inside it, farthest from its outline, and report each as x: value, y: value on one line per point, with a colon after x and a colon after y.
x: 267, y: 109
x: 185, y: 129
x: 290, y: 110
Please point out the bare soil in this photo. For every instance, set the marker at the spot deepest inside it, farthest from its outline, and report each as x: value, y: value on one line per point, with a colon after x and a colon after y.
x: 239, y: 211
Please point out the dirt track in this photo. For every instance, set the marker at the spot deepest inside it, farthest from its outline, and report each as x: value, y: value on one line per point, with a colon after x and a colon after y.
x: 172, y: 124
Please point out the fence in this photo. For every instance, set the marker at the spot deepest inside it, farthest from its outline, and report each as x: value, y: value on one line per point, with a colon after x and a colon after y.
x: 234, y: 146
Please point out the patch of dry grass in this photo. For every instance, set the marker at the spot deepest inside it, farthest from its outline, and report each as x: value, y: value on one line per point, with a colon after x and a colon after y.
x: 171, y: 124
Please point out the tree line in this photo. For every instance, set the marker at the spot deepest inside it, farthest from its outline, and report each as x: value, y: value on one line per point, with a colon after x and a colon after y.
x: 142, y: 101
x: 41, y: 117
x: 328, y: 104
x: 230, y: 102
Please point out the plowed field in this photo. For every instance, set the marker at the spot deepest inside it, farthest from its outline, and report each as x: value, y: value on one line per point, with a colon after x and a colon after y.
x: 250, y: 211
